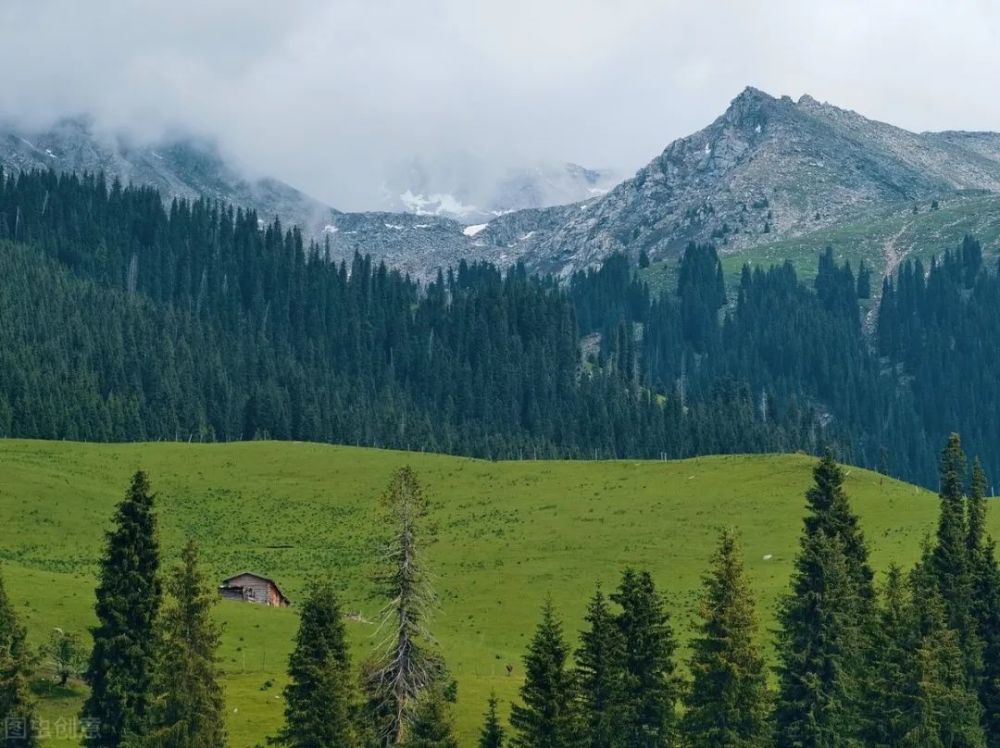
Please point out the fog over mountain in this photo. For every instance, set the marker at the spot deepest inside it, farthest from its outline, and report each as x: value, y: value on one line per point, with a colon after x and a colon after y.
x: 333, y: 97
x: 469, y: 189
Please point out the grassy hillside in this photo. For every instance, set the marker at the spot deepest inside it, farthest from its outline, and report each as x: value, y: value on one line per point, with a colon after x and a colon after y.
x: 883, y: 237
x: 510, y: 533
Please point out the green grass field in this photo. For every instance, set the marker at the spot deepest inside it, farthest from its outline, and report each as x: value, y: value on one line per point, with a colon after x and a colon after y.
x: 510, y: 533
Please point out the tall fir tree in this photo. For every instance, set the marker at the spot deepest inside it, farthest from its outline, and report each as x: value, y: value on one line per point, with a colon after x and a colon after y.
x: 951, y: 558
x: 727, y: 704
x: 819, y: 651
x: 189, y: 711
x: 405, y: 663
x: 600, y: 672
x: 320, y: 699
x: 492, y: 733
x: 830, y: 513
x: 889, y: 692
x: 824, y: 643
x: 985, y: 574
x: 548, y: 715
x: 123, y: 660
x: 650, y: 688
x: 944, y: 709
x: 17, y: 707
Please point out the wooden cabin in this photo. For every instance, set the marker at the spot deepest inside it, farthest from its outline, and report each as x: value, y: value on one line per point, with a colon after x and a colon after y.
x: 248, y: 587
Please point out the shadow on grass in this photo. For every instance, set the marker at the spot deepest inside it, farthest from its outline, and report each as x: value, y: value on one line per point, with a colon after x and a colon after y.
x: 48, y: 689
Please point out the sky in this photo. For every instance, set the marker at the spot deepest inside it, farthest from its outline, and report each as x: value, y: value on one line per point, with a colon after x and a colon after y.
x: 330, y: 95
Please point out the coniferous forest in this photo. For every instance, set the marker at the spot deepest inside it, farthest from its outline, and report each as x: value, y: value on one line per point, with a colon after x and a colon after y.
x: 125, y: 319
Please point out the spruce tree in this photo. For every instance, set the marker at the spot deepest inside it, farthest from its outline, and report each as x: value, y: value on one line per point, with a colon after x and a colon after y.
x: 600, y: 672
x: 830, y: 513
x: 951, y: 561
x: 547, y: 716
x: 405, y: 663
x: 492, y: 734
x: 819, y: 650
x: 944, y: 709
x: 432, y: 726
x: 123, y: 660
x: 649, y: 688
x: 320, y: 700
x: 985, y: 574
x: 824, y: 644
x: 727, y: 703
x: 976, y: 514
x: 864, y: 281
x: 17, y: 708
x: 889, y: 693
x: 190, y: 707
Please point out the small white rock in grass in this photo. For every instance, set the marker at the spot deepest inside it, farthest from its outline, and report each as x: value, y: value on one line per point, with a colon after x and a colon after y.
x: 768, y: 556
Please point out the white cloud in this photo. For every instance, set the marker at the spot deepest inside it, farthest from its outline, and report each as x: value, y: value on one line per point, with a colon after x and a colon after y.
x: 329, y: 94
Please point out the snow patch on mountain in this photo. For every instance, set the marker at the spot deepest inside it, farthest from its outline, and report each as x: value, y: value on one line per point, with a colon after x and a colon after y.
x: 474, y: 229
x: 436, y: 204
x: 468, y: 188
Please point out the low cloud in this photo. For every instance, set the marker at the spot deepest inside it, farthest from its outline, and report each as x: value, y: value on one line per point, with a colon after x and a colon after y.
x: 331, y: 95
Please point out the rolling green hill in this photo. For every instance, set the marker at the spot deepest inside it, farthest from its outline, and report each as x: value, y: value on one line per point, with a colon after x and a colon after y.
x: 510, y: 533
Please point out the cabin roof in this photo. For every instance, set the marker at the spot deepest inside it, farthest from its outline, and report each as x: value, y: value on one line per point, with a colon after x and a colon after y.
x: 227, y: 580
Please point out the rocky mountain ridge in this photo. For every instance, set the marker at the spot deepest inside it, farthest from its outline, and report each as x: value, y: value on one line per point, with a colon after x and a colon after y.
x: 768, y: 170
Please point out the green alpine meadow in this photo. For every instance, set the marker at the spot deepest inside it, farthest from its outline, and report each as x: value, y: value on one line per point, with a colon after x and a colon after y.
x: 510, y: 535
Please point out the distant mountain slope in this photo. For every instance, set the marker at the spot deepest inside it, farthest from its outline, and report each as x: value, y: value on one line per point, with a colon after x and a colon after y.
x: 884, y: 236
x: 186, y: 167
x: 767, y: 169
x: 181, y: 167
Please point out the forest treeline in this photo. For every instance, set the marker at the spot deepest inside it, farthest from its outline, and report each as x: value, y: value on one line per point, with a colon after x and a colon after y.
x: 124, y: 319
x: 910, y: 660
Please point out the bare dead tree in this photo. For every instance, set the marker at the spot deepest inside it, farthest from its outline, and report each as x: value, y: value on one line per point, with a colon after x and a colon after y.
x: 405, y: 662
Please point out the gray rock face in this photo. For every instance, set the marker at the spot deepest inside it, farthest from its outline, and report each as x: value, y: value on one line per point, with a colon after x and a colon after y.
x: 188, y: 168
x: 767, y: 169
x: 418, y: 245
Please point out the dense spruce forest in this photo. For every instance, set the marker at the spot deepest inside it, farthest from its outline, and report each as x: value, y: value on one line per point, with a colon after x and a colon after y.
x: 127, y: 319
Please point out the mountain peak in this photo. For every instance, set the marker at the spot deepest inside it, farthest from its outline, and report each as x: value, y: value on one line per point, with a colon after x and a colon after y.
x: 752, y: 93
x: 748, y: 108
x: 767, y: 169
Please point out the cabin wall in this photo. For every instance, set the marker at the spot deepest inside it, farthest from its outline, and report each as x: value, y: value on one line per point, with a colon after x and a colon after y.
x: 255, y: 590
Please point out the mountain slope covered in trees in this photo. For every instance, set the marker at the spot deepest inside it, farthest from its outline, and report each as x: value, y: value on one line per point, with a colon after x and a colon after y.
x: 128, y: 320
